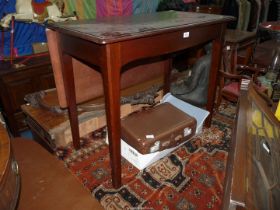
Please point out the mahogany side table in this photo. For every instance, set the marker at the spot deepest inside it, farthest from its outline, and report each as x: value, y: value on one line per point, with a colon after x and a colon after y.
x: 114, y: 42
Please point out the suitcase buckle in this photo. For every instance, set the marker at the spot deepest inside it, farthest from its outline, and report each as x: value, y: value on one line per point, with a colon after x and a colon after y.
x: 187, y: 131
x: 155, y: 147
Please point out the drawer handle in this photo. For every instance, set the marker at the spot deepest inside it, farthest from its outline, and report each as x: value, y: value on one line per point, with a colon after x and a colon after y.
x: 266, y: 147
x: 15, y: 167
x: 2, y: 121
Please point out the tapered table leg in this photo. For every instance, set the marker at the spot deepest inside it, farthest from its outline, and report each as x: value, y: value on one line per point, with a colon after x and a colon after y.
x: 111, y: 83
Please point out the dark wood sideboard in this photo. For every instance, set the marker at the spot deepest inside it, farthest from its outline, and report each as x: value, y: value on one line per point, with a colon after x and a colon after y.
x: 15, y: 83
x: 253, y: 169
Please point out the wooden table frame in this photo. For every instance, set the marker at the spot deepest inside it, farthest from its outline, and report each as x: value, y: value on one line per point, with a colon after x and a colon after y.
x: 116, y: 50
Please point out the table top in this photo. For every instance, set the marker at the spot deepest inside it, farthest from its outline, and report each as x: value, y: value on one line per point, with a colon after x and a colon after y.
x: 114, y: 29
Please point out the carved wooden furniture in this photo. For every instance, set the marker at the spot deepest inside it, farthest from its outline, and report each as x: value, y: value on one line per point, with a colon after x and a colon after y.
x: 253, y: 175
x: 112, y: 43
x: 15, y: 83
x: 9, y: 176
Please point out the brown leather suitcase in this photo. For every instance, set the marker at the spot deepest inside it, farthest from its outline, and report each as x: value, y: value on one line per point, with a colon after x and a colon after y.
x: 161, y: 127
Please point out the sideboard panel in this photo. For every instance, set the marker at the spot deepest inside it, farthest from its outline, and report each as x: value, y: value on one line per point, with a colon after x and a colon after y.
x: 15, y: 83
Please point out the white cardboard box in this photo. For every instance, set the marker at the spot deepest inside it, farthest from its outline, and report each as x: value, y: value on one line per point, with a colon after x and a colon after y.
x: 141, y: 161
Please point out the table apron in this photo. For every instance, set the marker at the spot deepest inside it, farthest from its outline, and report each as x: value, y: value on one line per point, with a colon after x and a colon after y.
x: 167, y: 43
x: 87, y: 52
x: 140, y: 48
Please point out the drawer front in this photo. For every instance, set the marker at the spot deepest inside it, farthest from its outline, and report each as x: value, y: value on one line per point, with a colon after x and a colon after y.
x: 20, y: 83
x: 16, y: 91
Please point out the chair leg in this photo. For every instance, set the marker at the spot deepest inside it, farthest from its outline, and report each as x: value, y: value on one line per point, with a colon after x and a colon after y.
x: 219, y: 99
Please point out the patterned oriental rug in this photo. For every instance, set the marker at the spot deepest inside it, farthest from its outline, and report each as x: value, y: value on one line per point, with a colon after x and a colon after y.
x: 190, y: 178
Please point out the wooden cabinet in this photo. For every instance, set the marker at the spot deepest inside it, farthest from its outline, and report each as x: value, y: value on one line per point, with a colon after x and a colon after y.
x: 253, y: 177
x: 15, y: 83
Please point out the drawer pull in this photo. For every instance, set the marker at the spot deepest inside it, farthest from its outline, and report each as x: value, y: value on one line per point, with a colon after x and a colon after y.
x: 266, y: 147
x: 15, y: 167
x: 2, y: 121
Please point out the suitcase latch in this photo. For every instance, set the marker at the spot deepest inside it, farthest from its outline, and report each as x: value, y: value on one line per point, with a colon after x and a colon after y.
x: 155, y: 147
x: 187, y: 131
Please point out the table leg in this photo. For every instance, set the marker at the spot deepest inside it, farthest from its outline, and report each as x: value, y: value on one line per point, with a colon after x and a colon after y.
x: 69, y: 85
x: 111, y: 83
x: 215, y: 65
x: 167, y: 75
x: 233, y: 59
x: 248, y: 55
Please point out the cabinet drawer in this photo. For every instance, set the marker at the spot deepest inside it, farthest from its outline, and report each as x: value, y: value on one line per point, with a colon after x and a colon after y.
x: 27, y: 72
x: 22, y: 82
x: 16, y: 91
x: 36, y: 75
